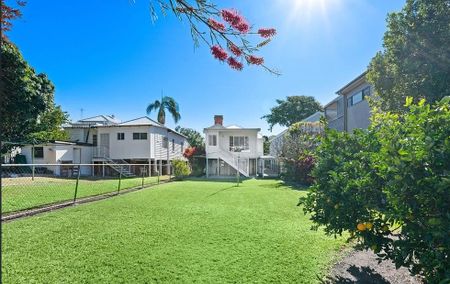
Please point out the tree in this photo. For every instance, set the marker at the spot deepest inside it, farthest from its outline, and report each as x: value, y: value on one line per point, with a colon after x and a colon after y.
x: 389, y: 187
x: 266, y: 144
x: 9, y: 13
x: 415, y: 61
x: 166, y: 103
x: 194, y: 138
x: 292, y: 110
x: 298, y: 150
x: 220, y: 29
x: 27, y: 104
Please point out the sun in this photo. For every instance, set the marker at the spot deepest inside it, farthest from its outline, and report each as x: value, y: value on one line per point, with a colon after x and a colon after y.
x: 303, y: 11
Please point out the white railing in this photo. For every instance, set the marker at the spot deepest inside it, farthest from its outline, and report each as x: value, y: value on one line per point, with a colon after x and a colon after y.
x: 238, y: 163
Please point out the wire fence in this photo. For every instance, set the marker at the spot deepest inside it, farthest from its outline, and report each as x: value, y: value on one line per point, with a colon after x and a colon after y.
x: 30, y: 186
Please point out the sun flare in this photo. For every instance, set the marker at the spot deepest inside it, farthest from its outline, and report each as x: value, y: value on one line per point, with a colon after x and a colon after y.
x: 303, y: 11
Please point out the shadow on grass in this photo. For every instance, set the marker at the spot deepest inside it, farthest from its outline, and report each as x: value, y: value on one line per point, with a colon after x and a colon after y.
x: 286, y: 184
x: 215, y: 179
x: 221, y: 190
x: 361, y: 274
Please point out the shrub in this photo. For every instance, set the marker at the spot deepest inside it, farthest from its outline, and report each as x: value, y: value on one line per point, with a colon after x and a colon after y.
x: 180, y: 168
x: 297, y: 151
x: 390, y: 187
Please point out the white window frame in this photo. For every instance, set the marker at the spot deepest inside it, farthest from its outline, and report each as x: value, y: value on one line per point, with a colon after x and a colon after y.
x: 212, y: 140
x: 239, y: 143
x: 120, y: 136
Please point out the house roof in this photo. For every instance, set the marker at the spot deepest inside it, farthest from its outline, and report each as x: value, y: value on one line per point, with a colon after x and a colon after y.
x: 100, y: 118
x: 230, y: 127
x: 93, y: 121
x: 144, y: 120
x: 362, y: 76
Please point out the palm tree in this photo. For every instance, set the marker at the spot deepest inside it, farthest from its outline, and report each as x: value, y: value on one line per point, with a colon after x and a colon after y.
x: 166, y: 103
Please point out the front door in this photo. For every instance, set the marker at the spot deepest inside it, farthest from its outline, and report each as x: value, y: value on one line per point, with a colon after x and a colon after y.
x: 104, y: 145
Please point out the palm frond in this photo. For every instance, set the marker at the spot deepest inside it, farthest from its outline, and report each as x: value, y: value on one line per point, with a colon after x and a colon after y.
x: 153, y: 106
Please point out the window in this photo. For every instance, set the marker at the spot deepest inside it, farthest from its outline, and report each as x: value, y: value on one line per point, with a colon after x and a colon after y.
x: 121, y: 136
x: 39, y: 152
x: 358, y: 97
x: 94, y: 139
x: 366, y: 92
x: 173, y: 145
x: 165, y: 142
x: 139, y: 136
x: 239, y: 143
x: 212, y: 140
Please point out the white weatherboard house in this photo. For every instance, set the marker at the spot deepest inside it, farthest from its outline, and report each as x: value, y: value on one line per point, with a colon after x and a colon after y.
x: 231, y: 149
x: 276, y: 143
x: 106, y: 142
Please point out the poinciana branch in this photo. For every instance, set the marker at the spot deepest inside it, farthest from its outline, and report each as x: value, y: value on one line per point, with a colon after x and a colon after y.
x: 226, y: 27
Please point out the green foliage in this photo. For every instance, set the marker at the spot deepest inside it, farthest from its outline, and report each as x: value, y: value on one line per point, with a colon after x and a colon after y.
x: 180, y: 168
x: 194, y: 138
x: 394, y: 174
x: 27, y: 100
x: 166, y: 103
x: 416, y: 57
x: 48, y: 126
x: 292, y: 110
x: 297, y: 151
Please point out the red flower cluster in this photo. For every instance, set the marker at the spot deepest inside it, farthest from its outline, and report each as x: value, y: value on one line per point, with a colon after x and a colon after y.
x: 219, y: 52
x: 235, y: 20
x: 189, y: 152
x: 266, y: 33
x: 234, y: 49
x: 251, y: 59
x: 234, y: 63
x: 216, y: 25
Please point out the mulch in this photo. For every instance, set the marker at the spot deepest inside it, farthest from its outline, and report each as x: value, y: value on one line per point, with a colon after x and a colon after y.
x: 361, y: 266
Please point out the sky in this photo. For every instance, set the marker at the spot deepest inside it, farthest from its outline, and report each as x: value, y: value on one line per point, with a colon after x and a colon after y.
x: 108, y: 57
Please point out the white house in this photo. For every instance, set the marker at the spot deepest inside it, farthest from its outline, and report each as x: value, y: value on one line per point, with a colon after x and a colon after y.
x: 276, y: 143
x: 105, y: 141
x: 231, y: 149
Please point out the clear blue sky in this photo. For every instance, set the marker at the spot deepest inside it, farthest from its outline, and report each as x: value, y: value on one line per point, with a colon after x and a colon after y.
x: 108, y: 58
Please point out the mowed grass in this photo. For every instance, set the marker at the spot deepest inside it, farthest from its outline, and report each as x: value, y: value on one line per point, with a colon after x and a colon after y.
x: 23, y: 193
x: 189, y: 231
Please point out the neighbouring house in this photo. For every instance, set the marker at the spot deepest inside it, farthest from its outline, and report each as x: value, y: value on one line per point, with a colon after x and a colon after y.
x: 350, y: 109
x: 106, y: 142
x: 233, y: 149
x: 276, y: 143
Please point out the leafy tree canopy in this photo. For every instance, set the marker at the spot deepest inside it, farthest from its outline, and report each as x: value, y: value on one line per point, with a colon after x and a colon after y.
x: 416, y: 57
x: 292, y: 110
x: 194, y: 138
x: 27, y: 101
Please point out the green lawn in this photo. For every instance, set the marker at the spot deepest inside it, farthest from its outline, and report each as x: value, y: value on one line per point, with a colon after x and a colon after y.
x: 207, y: 232
x: 23, y: 193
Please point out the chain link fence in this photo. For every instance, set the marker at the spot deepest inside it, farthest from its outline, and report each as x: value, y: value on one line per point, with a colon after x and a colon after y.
x: 31, y: 186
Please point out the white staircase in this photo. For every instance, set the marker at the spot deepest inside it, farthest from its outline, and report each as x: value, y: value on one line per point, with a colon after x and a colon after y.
x: 238, y: 163
x: 118, y: 165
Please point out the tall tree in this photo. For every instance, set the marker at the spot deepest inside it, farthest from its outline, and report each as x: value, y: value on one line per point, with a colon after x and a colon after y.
x: 166, y: 103
x: 415, y: 61
x: 194, y: 138
x: 292, y: 110
x: 27, y: 104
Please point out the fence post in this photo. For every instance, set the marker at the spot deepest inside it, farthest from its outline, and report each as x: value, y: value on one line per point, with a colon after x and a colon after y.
x: 120, y: 180
x: 76, y: 184
x: 143, y: 174
x: 158, y: 176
